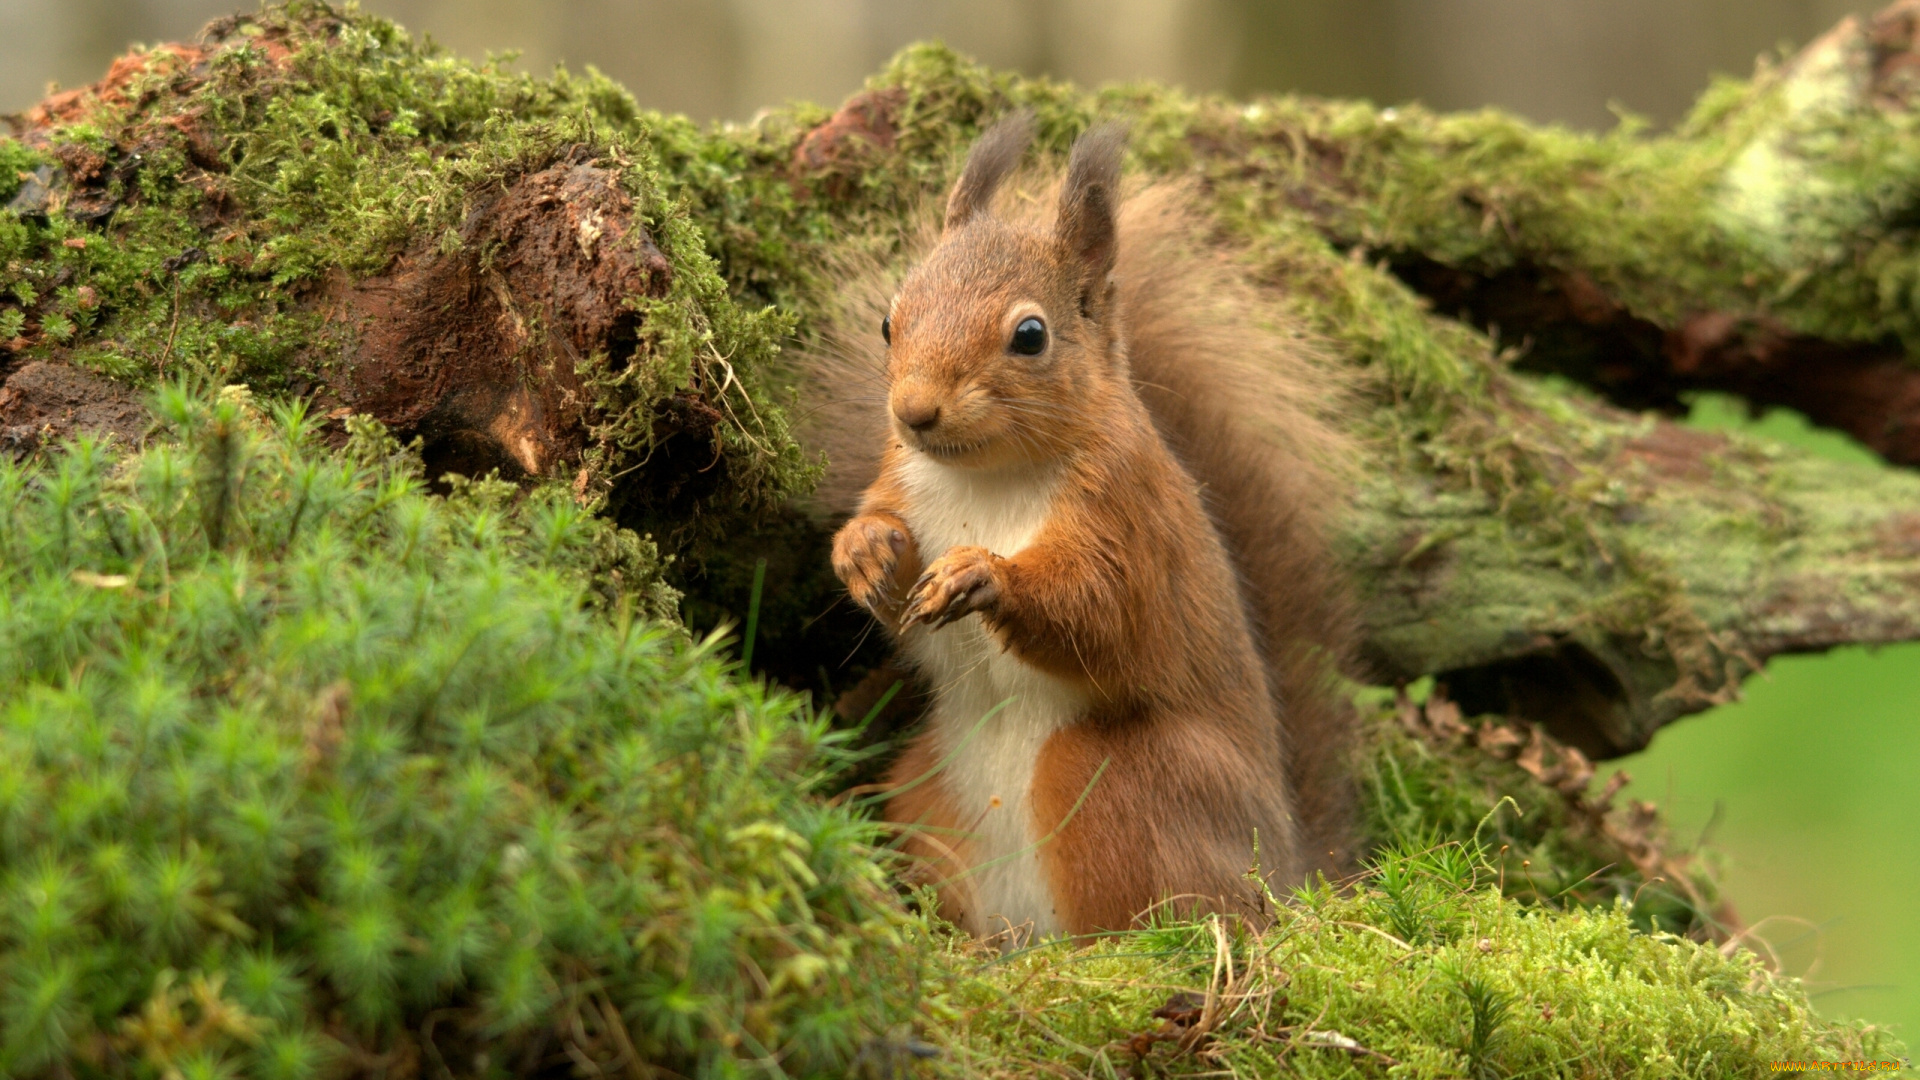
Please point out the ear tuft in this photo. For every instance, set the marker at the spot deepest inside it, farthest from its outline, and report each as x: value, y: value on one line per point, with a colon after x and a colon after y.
x: 1086, y: 231
x: 993, y: 156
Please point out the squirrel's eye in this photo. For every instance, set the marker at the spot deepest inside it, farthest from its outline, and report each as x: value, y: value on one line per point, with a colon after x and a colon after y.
x: 1029, y: 338
x: 886, y: 329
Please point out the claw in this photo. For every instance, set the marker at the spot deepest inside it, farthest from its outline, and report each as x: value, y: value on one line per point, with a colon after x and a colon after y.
x: 955, y: 609
x: 866, y: 553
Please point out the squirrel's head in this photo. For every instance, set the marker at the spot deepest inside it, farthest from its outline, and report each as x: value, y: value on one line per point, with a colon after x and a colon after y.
x: 1002, y: 346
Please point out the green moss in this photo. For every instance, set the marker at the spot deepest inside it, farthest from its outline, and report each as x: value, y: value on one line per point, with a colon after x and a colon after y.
x: 291, y: 743
x: 15, y: 160
x: 1422, y: 971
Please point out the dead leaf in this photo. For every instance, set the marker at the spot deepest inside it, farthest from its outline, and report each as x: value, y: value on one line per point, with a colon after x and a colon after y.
x: 1443, y: 716
x: 1497, y: 739
x: 327, y: 728
x: 1184, y: 1008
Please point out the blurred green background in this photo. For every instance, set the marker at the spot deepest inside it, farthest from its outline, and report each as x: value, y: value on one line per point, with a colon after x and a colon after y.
x: 1805, y: 789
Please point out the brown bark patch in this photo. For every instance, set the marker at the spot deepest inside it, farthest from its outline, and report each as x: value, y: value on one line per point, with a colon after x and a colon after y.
x: 72, y: 106
x: 1894, y: 35
x: 841, y: 148
x: 478, y: 351
x: 44, y: 402
x: 1672, y: 452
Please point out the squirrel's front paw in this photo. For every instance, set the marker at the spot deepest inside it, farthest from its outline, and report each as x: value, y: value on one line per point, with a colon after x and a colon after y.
x: 866, y: 553
x: 958, y: 583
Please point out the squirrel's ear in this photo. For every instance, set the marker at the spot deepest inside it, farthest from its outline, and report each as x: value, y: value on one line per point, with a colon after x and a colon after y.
x: 988, y: 163
x: 1086, y: 231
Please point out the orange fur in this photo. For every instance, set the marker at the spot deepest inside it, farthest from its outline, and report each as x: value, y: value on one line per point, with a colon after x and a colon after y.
x: 1174, y: 605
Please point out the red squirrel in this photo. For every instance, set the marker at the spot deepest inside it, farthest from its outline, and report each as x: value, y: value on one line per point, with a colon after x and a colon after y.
x: 1093, y: 528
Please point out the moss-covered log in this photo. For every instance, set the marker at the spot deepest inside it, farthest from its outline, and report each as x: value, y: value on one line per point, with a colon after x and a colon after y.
x: 537, y: 276
x: 322, y: 756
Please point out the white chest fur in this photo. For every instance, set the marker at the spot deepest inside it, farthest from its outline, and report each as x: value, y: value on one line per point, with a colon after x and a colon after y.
x: 989, y: 770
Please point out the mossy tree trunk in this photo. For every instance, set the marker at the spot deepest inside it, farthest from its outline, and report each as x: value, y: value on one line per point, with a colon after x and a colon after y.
x: 539, y: 277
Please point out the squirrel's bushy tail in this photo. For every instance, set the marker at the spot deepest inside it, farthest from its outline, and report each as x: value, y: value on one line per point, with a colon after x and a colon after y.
x: 1242, y: 398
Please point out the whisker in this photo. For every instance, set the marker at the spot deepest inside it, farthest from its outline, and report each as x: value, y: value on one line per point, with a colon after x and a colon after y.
x: 865, y: 633
x: 842, y: 401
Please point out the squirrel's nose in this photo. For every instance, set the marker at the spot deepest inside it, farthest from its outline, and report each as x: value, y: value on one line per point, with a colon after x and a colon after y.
x: 918, y: 415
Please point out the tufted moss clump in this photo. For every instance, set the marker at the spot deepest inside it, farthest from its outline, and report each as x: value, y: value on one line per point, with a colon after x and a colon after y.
x: 1422, y: 971
x: 304, y: 772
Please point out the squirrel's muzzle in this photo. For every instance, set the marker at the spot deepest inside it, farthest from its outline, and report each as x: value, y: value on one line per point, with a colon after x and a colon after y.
x: 917, y: 412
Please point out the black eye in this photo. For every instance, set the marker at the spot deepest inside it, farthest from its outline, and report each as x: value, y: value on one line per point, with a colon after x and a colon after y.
x: 886, y: 329
x: 1029, y: 338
